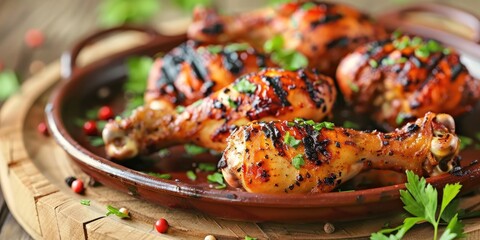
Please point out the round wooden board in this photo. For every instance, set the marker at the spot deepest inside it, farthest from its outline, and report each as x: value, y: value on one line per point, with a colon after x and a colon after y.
x: 33, y: 169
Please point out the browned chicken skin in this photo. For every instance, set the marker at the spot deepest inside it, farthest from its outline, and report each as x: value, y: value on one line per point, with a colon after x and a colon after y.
x: 323, y: 32
x: 260, y: 159
x: 267, y: 95
x: 190, y: 72
x: 402, y: 78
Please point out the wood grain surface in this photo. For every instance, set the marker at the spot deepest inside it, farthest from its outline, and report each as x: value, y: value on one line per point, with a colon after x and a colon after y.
x: 65, y: 22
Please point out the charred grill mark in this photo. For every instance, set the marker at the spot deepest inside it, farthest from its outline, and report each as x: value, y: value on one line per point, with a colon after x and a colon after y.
x: 456, y: 70
x: 412, y: 128
x: 246, y: 133
x: 314, y: 95
x: 326, y: 19
x: 278, y: 89
x: 272, y: 132
x: 220, y: 133
x: 330, y: 180
x: 339, y: 42
x: 232, y: 62
x: 432, y: 69
x: 215, y: 29
x: 198, y: 66
x: 310, y: 152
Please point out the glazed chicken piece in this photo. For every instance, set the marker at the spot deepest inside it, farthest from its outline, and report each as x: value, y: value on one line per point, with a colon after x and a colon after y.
x: 323, y: 32
x: 404, y: 77
x: 267, y: 95
x: 190, y: 72
x: 292, y: 157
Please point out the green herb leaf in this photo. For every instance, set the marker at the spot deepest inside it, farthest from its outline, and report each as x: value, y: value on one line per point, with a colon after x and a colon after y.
x: 191, y: 175
x: 422, y: 52
x: 250, y: 238
x: 274, y: 44
x: 416, y: 41
x: 8, y: 84
x: 399, y: 119
x: 180, y: 109
x: 465, y: 142
x: 214, y: 49
x: 160, y: 175
x: 237, y: 47
x: 192, y: 149
x: 454, y: 230
x: 373, y: 63
x: 352, y: 125
x: 245, y: 86
x: 101, y: 124
x: 447, y: 51
x: 308, y: 5
x: 163, y: 152
x: 207, y: 167
x: 138, y: 70
x: 85, y: 202
x: 298, y: 161
x: 92, y: 113
x: 189, y: 5
x: 450, y: 191
x: 353, y: 87
x: 327, y: 125
x: 96, y: 141
x: 115, y: 211
x: 232, y: 103
x: 388, y: 61
x: 434, y: 46
x: 291, y: 141
x: 217, y: 178
x: 118, y: 12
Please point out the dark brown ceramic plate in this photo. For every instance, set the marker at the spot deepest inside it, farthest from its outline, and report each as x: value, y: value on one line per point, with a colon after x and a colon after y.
x: 78, y: 93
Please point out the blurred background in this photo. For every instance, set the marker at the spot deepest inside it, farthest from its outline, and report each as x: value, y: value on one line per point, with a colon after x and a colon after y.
x: 35, y: 33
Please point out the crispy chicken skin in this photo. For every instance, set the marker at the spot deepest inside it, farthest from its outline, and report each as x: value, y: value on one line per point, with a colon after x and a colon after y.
x: 404, y: 77
x: 267, y: 95
x: 191, y: 72
x: 323, y: 32
x: 259, y: 159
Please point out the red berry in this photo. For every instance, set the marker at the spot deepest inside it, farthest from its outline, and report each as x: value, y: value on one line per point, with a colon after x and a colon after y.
x: 90, y: 128
x: 34, y: 38
x: 77, y: 186
x: 105, y: 113
x: 42, y: 128
x: 161, y: 225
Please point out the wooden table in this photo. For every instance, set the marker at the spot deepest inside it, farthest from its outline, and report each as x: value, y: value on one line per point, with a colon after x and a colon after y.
x: 65, y: 22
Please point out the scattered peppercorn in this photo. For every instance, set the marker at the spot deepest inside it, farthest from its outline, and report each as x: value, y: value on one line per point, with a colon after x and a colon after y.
x: 328, y: 228
x: 42, y: 128
x: 161, y: 225
x: 69, y: 180
x: 90, y: 128
x: 77, y: 186
x: 34, y: 38
x: 105, y: 113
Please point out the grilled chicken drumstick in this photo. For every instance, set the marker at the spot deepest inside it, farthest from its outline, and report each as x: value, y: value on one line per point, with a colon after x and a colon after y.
x: 404, y: 77
x: 323, y: 32
x: 294, y: 157
x: 267, y: 95
x: 190, y: 72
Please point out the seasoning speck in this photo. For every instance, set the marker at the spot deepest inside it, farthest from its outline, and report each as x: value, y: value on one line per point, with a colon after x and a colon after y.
x: 328, y: 228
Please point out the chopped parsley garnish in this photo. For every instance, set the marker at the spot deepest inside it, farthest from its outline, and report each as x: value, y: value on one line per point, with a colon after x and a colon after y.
x: 193, y: 149
x: 422, y: 52
x: 421, y: 201
x: 373, y: 63
x: 8, y: 84
x: 349, y: 124
x: 96, y: 141
x: 115, y: 211
x: 92, y: 113
x: 191, y: 175
x: 207, y: 167
x: 290, y: 140
x: 232, y: 103
x: 308, y: 5
x: 388, y: 61
x: 250, y: 238
x: 353, y: 87
x: 399, y: 119
x: 465, y: 142
x: 316, y: 126
x: 289, y: 59
x: 85, y: 202
x: 236, y: 47
x: 217, y: 178
x: 101, y: 124
x: 298, y: 161
x: 245, y: 86
x: 180, y: 109
x: 160, y: 175
x: 214, y: 49
x: 163, y: 152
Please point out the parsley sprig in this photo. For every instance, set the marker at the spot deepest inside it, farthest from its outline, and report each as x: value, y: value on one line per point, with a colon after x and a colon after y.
x: 289, y: 59
x: 217, y: 178
x: 115, y: 211
x: 8, y: 84
x: 138, y: 69
x: 245, y: 86
x: 421, y: 201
